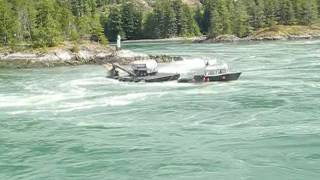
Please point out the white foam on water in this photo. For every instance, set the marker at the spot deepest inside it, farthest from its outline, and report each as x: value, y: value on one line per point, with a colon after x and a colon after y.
x: 303, y: 42
x: 103, y: 125
x: 111, y: 101
x: 87, y: 82
x: 171, y: 84
x: 18, y: 101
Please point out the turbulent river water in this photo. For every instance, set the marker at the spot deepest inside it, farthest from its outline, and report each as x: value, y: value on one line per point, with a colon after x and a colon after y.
x: 73, y: 123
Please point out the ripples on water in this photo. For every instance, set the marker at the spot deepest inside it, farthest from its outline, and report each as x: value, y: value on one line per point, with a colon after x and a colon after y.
x: 72, y: 123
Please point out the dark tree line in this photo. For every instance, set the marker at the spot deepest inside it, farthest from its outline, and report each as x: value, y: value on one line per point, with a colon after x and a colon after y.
x: 240, y: 17
x: 43, y: 23
x: 169, y: 18
x: 125, y: 20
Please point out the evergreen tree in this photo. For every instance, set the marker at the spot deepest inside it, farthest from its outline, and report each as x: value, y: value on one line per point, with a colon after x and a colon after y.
x: 114, y: 25
x: 8, y: 21
x: 255, y: 9
x: 220, y: 20
x: 241, y: 21
x: 97, y: 32
x: 208, y: 7
x: 191, y: 24
x: 131, y: 21
x: 216, y: 26
x: 308, y: 13
x: 181, y: 21
x: 151, y: 28
x: 47, y: 31
x: 170, y: 22
x: 286, y: 12
x: 49, y: 22
x: 199, y: 17
x: 225, y: 15
x: 270, y: 12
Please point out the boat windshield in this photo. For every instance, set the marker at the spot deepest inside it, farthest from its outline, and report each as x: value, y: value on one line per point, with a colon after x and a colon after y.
x: 217, y: 69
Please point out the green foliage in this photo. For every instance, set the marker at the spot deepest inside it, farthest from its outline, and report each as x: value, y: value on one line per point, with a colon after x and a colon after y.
x: 47, y: 32
x: 74, y: 35
x: 131, y: 20
x: 241, y: 26
x: 96, y: 30
x: 8, y: 21
x: 170, y: 19
x: 241, y: 16
x: 46, y: 23
x: 114, y: 24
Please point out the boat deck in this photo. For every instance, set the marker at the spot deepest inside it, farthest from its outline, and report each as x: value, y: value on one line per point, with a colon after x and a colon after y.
x: 159, y: 77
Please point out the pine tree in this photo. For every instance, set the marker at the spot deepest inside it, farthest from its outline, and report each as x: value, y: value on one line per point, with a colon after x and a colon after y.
x: 47, y: 31
x: 308, y: 12
x: 49, y: 22
x: 151, y: 30
x: 65, y: 17
x: 171, y: 29
x: 286, y: 12
x: 131, y: 21
x: 180, y: 17
x: 216, y: 26
x: 191, y: 24
x: 199, y: 17
x: 241, y: 21
x: 8, y: 21
x: 96, y: 31
x: 114, y: 25
x: 256, y: 12
x: 270, y: 12
x: 220, y: 20
x: 208, y: 9
x: 225, y: 15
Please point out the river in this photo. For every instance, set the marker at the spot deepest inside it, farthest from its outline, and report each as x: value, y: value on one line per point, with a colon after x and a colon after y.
x: 73, y: 123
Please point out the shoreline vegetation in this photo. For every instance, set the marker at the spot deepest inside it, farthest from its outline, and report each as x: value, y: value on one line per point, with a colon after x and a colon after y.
x: 88, y: 52
x: 59, y: 29
x: 277, y: 32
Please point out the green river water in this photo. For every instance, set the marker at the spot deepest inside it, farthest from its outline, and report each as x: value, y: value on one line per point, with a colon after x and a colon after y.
x: 73, y: 123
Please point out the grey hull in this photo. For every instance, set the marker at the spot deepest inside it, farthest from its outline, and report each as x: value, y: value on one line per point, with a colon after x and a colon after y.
x: 159, y: 77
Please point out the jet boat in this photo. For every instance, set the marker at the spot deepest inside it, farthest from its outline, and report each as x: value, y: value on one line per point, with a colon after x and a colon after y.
x: 213, y: 73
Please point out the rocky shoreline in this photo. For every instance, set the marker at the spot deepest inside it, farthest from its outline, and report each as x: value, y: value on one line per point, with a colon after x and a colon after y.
x: 270, y: 34
x: 70, y: 54
x: 232, y: 38
x: 66, y: 56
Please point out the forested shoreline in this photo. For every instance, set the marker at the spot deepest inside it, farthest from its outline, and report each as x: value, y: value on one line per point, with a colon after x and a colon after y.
x: 47, y: 23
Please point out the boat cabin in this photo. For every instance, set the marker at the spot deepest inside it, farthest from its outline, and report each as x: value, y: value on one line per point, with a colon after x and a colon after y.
x: 145, y: 68
x: 216, y: 70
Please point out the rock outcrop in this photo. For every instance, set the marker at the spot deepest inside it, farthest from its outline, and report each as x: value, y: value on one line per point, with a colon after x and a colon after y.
x: 278, y: 32
x: 221, y: 38
x: 66, y: 56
